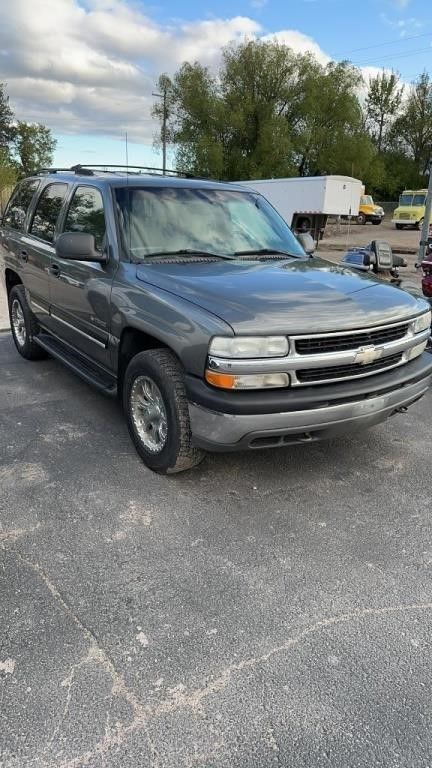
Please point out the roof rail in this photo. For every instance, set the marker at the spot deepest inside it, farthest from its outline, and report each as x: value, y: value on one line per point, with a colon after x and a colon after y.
x: 136, y: 170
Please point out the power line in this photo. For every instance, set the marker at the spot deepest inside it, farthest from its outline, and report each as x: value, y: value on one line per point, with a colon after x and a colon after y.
x: 400, y: 55
x: 389, y: 42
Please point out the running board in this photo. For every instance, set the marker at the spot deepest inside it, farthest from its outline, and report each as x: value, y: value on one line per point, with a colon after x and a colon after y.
x: 77, y: 363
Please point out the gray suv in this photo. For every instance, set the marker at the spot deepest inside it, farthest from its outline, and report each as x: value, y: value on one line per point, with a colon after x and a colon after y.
x: 194, y: 303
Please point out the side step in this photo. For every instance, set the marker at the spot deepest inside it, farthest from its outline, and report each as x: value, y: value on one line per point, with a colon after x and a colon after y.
x: 79, y: 364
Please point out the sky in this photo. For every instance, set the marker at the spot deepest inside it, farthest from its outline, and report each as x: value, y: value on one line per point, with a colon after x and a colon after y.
x: 87, y: 68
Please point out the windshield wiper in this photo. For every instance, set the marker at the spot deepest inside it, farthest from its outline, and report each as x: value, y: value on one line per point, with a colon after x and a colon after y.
x: 190, y: 252
x: 266, y: 252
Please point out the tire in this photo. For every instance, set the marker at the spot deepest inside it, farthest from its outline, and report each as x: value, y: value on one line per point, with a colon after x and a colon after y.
x: 399, y: 226
x: 376, y: 223
x: 418, y: 225
x: 24, y: 325
x: 303, y: 224
x: 154, y: 388
x: 361, y: 218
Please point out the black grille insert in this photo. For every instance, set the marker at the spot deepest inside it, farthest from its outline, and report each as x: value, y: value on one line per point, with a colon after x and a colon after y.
x: 316, y: 346
x: 343, y: 371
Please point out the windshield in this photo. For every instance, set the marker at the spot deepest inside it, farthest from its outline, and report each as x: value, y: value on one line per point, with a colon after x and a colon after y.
x: 169, y: 219
x: 405, y: 200
x: 366, y: 200
x: 419, y: 200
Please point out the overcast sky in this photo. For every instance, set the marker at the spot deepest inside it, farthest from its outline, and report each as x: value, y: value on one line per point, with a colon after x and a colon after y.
x: 86, y: 68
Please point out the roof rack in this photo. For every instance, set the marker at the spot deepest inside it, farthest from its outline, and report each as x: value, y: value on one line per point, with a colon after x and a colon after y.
x: 136, y: 170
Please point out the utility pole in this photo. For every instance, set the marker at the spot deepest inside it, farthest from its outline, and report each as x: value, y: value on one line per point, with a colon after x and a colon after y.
x: 427, y: 218
x: 163, y: 96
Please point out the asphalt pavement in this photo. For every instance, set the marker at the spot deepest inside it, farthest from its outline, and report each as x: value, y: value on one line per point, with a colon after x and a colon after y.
x: 266, y: 609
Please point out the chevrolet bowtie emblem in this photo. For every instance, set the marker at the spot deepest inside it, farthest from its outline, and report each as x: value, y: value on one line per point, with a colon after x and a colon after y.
x: 366, y: 355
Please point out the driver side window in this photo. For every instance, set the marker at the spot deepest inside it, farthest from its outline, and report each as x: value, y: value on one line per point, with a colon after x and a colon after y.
x: 86, y: 214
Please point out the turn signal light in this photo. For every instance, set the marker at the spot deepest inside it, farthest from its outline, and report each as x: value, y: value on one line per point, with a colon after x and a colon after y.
x: 247, y: 381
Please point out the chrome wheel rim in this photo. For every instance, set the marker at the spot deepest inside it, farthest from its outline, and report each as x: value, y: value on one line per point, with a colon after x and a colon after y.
x: 18, y: 322
x: 149, y: 414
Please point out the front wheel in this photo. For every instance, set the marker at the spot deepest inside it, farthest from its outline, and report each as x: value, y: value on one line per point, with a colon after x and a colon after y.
x: 157, y: 412
x: 419, y: 224
x: 376, y: 223
x: 361, y: 218
x: 399, y: 226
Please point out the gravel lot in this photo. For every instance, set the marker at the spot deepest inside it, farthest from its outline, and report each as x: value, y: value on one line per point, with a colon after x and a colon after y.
x: 267, y: 609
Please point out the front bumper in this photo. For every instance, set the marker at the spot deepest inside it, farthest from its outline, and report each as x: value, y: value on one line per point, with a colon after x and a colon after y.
x: 405, y: 222
x: 215, y: 430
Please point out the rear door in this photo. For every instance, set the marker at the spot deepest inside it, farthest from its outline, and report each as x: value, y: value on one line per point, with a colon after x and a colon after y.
x: 80, y: 291
x: 38, y: 246
x: 13, y: 240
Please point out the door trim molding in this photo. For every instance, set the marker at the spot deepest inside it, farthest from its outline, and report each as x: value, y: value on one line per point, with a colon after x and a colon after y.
x: 78, y: 330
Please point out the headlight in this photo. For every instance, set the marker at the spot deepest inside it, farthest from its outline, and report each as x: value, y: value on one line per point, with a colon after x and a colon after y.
x: 249, y: 346
x: 422, y: 323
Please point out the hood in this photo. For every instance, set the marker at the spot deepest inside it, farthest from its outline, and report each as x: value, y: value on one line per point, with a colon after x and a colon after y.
x: 281, y: 297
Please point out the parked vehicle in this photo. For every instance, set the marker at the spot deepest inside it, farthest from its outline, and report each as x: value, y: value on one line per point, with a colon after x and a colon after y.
x: 306, y: 202
x: 411, y: 209
x: 368, y: 211
x: 194, y: 303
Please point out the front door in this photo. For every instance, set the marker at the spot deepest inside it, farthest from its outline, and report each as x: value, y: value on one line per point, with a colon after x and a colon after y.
x: 80, y: 291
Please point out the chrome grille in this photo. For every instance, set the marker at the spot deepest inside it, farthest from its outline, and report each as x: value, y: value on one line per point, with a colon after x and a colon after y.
x: 317, y: 345
x: 317, y: 375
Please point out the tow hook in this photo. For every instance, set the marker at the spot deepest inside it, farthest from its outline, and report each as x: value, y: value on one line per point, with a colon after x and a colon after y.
x: 402, y: 409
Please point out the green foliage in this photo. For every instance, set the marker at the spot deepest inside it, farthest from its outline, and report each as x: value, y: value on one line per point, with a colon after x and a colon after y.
x: 382, y: 105
x: 24, y: 147
x: 269, y: 112
x: 412, y: 131
x: 34, y: 146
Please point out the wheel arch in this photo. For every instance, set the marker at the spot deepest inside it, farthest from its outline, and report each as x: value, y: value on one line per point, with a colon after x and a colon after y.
x: 12, y: 278
x: 132, y: 341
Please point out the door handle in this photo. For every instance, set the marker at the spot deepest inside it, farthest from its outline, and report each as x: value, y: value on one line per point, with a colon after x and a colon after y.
x: 55, y: 270
x: 24, y: 255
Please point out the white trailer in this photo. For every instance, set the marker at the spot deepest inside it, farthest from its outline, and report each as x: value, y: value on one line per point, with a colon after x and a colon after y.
x: 306, y: 202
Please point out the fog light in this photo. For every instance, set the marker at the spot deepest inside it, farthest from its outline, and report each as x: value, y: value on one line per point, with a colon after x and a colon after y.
x: 417, y: 350
x: 247, y: 381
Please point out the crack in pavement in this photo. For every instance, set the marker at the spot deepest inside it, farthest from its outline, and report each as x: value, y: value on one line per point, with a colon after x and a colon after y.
x: 180, y: 697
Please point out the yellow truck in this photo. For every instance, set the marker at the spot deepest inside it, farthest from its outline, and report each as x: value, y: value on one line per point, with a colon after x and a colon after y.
x: 411, y: 209
x: 368, y: 211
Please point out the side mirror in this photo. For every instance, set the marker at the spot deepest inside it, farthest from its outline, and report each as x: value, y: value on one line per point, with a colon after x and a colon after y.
x: 307, y: 242
x: 78, y: 246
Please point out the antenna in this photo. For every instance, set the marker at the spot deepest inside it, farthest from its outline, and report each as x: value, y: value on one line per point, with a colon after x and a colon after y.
x: 127, y: 153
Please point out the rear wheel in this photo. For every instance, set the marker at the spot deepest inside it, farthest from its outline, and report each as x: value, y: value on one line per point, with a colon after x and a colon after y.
x: 157, y: 412
x: 24, y: 325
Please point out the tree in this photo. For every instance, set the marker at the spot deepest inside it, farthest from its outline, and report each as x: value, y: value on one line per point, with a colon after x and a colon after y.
x: 382, y: 105
x: 6, y: 119
x: 412, y: 131
x: 34, y: 147
x: 267, y: 113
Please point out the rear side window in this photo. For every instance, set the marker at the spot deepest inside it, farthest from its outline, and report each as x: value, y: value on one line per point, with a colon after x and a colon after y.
x: 19, y: 204
x: 86, y: 214
x: 47, y: 212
